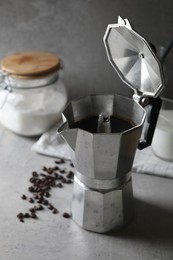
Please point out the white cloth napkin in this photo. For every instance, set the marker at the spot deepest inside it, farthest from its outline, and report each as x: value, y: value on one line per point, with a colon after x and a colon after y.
x: 52, y: 144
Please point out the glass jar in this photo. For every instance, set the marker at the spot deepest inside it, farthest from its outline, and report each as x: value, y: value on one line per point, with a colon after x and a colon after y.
x: 32, y: 97
x: 162, y: 144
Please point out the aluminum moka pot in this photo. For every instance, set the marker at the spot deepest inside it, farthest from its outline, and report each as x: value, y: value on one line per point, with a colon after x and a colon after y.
x: 104, y: 131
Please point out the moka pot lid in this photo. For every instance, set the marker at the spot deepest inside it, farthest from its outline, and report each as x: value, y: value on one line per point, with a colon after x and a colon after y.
x: 133, y: 59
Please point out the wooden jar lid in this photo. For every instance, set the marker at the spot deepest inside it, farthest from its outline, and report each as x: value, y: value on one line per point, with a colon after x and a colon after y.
x: 30, y: 64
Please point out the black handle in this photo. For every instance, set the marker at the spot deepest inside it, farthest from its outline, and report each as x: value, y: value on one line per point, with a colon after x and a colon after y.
x: 153, y: 108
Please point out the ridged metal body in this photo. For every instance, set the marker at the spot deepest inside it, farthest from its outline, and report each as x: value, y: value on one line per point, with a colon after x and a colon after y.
x: 102, y: 196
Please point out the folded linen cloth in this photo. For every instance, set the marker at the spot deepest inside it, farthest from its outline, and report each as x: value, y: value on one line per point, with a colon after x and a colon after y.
x: 52, y: 144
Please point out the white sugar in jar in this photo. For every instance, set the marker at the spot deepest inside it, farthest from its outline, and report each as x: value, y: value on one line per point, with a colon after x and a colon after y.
x: 32, y: 96
x: 162, y: 144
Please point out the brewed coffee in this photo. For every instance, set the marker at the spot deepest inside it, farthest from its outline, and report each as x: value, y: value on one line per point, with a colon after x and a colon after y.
x: 118, y: 124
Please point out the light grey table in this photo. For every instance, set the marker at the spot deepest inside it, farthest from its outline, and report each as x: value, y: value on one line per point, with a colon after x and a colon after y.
x: 52, y: 237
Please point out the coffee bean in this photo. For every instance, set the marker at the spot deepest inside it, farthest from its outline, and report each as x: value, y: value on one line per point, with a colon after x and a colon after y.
x: 70, y: 175
x: 39, y: 207
x: 47, y: 194
x: 60, y: 161
x: 32, y: 210
x: 56, y: 175
x: 57, y: 162
x: 31, y: 189
x: 42, y: 174
x: 26, y: 215
x: 69, y: 181
x: 44, y: 168
x: 45, y: 202
x: 59, y: 185
x: 59, y: 177
x: 24, y: 197
x: 50, y: 206
x: 34, y: 174
x: 31, y: 200
x: 66, y: 215
x: 62, y: 171
x: 64, y: 180
x: 33, y: 215
x: 50, y: 170
x: 41, y: 193
x: 53, y: 184
x: 54, y: 211
x: 37, y: 182
x: 35, y: 196
x: 20, y: 215
x: 32, y: 179
x: 40, y: 200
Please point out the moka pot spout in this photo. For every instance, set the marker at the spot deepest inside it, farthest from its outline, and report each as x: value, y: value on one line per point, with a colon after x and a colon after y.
x: 69, y: 135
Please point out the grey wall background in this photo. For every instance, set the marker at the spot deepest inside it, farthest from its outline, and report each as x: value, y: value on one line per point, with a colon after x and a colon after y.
x: 74, y: 29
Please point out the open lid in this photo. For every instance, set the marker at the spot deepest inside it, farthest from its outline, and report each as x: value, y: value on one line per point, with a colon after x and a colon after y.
x: 133, y: 59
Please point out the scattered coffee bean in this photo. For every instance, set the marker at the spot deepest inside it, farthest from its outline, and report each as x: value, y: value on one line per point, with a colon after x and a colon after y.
x: 64, y: 180
x: 57, y: 162
x: 41, y: 193
x: 20, y: 215
x: 47, y: 194
x: 68, y: 181
x: 56, y: 175
x: 70, y: 175
x: 31, y: 189
x: 42, y: 183
x: 62, y: 171
x: 66, y: 215
x: 45, y: 202
x: 59, y: 177
x: 32, y: 210
x: 54, y: 211
x: 26, y: 215
x: 50, y: 206
x: 24, y: 197
x: 40, y: 200
x: 35, y: 196
x: 34, y: 174
x: 60, y: 161
x: 33, y: 215
x: 42, y: 174
x: 32, y: 179
x: 39, y: 207
x: 50, y: 170
x: 31, y: 200
x: 59, y: 185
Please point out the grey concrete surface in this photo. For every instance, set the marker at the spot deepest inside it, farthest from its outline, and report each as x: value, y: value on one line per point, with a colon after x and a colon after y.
x: 52, y: 237
x: 74, y: 29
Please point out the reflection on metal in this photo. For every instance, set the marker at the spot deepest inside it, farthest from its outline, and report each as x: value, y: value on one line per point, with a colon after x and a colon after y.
x: 133, y: 59
x: 104, y: 123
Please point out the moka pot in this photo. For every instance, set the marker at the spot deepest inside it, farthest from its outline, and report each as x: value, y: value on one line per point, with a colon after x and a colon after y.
x: 104, y: 131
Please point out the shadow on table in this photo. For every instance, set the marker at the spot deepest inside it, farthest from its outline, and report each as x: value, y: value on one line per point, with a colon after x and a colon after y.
x: 150, y: 223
